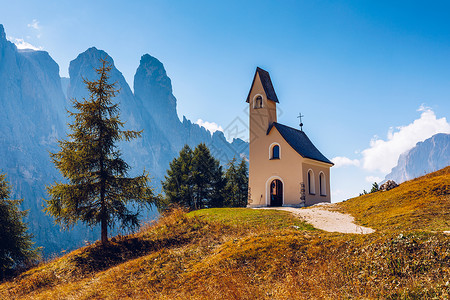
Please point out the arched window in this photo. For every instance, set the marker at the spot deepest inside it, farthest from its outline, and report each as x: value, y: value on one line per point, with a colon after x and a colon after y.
x: 258, y: 102
x: 322, y: 184
x: 276, y: 152
x: 311, y: 188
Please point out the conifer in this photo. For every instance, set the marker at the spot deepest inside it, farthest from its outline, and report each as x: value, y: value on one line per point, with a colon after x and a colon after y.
x: 97, y: 189
x: 236, y: 188
x: 194, y: 180
x: 178, y: 181
x: 16, y: 245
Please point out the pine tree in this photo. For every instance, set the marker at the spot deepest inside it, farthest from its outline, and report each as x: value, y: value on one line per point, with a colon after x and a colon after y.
x: 16, y: 246
x: 194, y: 180
x: 208, y: 182
x: 375, y: 188
x: 178, y: 181
x: 98, y: 189
x: 243, y: 184
x: 236, y: 188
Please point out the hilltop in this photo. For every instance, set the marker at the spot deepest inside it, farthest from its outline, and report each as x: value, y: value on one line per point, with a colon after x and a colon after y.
x: 264, y: 254
x: 419, y: 204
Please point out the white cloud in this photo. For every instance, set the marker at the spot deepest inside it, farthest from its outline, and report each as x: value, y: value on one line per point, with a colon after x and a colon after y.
x: 210, y: 126
x: 341, y: 161
x: 22, y: 44
x: 34, y: 24
x: 373, y: 179
x: 383, y: 154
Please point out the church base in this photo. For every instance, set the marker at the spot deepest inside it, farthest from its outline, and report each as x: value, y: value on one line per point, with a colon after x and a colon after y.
x: 285, y: 205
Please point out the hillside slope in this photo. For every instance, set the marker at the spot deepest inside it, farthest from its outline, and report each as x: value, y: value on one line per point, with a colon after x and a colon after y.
x: 243, y: 254
x: 419, y: 204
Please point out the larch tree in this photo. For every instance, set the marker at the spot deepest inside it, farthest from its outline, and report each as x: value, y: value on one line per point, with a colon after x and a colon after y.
x: 16, y: 245
x: 97, y: 189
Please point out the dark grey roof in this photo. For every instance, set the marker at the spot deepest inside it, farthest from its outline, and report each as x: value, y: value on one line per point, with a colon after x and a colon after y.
x: 266, y: 83
x: 298, y: 140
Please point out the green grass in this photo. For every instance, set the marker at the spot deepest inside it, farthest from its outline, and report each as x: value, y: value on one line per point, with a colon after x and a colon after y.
x: 252, y: 218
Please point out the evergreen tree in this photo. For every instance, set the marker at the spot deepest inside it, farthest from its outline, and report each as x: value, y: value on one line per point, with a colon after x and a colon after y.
x: 375, y: 187
x: 178, y: 182
x: 207, y: 175
x: 243, y: 184
x: 194, y: 180
x: 16, y: 246
x: 98, y: 189
x: 236, y: 188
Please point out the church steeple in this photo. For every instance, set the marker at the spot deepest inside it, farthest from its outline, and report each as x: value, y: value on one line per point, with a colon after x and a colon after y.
x: 266, y: 83
x: 262, y: 101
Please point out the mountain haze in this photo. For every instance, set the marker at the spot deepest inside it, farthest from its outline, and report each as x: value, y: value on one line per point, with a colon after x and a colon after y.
x: 33, y: 103
x: 425, y: 157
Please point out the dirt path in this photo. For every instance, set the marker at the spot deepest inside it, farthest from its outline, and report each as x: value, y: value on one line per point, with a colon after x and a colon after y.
x: 323, y: 218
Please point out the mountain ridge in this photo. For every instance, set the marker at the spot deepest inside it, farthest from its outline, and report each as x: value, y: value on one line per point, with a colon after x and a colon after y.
x: 33, y: 103
x: 425, y: 157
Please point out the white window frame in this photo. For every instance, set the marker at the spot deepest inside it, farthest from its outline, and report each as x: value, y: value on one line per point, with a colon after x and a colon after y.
x: 271, y: 150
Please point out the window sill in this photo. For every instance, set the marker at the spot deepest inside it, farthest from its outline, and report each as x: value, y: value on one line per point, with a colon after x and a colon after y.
x: 274, y: 158
x: 323, y: 195
x: 312, y: 194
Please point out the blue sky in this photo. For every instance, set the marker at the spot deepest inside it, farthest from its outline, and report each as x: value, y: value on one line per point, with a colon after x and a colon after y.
x: 371, y: 77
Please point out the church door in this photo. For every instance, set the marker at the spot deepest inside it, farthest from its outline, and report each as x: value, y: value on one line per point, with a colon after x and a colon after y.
x: 276, y: 193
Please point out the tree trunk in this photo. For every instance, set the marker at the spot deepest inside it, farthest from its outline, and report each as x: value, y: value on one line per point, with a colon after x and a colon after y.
x: 104, y: 232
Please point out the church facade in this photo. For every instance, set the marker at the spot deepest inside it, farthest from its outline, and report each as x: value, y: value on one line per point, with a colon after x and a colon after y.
x: 285, y: 168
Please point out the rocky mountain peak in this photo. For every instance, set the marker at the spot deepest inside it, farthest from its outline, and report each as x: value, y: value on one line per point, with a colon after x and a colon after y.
x: 153, y: 88
x: 152, y: 74
x: 2, y: 33
x: 426, y: 157
x: 84, y: 67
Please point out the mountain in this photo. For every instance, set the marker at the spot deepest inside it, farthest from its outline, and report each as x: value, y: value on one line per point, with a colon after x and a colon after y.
x: 32, y: 118
x: 426, y: 157
x: 33, y: 103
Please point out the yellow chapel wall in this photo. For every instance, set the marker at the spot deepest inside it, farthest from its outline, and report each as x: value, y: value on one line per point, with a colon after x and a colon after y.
x: 316, y: 167
x: 288, y: 169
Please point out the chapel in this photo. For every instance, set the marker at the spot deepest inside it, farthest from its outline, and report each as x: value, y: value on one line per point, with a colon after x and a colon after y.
x: 285, y: 168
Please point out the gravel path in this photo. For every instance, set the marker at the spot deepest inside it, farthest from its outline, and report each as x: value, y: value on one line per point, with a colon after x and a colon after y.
x: 321, y: 217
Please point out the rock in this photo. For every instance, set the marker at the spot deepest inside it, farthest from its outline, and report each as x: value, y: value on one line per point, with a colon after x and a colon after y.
x: 33, y: 103
x: 388, y: 185
x: 425, y: 157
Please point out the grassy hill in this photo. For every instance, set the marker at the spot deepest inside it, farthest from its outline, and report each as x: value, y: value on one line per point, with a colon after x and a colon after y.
x: 419, y: 204
x: 260, y: 254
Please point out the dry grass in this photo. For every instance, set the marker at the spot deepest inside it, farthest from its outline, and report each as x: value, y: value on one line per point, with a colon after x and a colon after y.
x: 254, y: 254
x: 419, y: 204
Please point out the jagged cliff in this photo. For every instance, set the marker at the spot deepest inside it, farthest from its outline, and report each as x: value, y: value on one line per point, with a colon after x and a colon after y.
x: 425, y: 157
x: 33, y: 103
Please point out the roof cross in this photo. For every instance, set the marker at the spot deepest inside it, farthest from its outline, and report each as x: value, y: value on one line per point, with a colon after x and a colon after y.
x: 300, y: 117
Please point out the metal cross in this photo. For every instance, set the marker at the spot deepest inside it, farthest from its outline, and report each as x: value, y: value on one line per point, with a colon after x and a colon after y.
x: 301, y: 124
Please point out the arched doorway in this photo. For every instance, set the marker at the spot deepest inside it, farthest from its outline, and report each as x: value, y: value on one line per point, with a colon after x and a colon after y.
x: 276, y: 193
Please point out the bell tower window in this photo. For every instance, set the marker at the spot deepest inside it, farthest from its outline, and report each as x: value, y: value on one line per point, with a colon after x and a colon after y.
x: 258, y: 102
